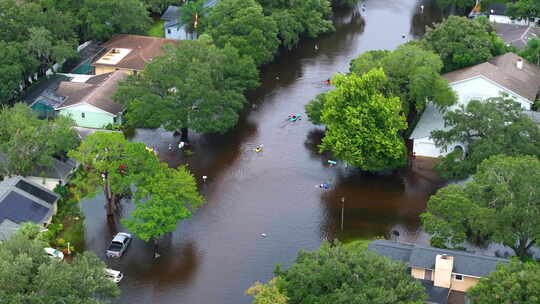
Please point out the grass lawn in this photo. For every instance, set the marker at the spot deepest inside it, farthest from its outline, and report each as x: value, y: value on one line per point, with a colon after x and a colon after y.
x: 358, y: 244
x: 157, y: 29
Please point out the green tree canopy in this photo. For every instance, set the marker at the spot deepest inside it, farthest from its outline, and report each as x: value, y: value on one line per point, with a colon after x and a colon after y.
x: 29, y: 275
x: 462, y: 42
x: 27, y: 142
x: 484, y: 128
x: 194, y: 85
x: 363, y: 123
x: 413, y: 75
x: 163, y: 196
x: 102, y: 19
x: 516, y: 283
x: 501, y: 204
x: 267, y: 293
x: 162, y: 199
x: 158, y: 6
x: 191, y: 14
x: 340, y: 274
x: 532, y: 51
x: 242, y: 24
x: 523, y: 9
x: 297, y: 18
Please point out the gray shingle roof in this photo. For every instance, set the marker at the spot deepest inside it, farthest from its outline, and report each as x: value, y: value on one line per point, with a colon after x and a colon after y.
x: 503, y: 71
x: 464, y: 262
x: 171, y: 13
x: 497, y: 9
x: 423, y: 257
x: 436, y: 294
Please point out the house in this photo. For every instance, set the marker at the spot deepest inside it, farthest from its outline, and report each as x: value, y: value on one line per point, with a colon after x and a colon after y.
x: 508, y: 73
x: 22, y: 201
x: 129, y: 53
x: 446, y: 274
x: 497, y: 14
x: 90, y: 103
x: 172, y: 27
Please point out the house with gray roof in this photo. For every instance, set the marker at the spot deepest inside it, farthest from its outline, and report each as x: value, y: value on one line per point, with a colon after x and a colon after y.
x: 172, y: 27
x: 505, y: 74
x: 446, y: 274
x: 23, y: 201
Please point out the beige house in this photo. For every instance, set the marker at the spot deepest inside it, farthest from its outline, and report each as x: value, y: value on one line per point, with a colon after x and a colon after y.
x: 129, y: 53
x: 446, y: 274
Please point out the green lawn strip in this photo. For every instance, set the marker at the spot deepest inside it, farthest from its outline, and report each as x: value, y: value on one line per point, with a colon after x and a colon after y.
x: 157, y: 29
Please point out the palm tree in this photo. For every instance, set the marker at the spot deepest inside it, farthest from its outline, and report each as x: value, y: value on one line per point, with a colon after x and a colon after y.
x: 191, y: 14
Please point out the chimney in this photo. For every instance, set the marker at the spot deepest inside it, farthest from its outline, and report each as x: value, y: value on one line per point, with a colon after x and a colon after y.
x: 519, y: 64
x: 443, y: 270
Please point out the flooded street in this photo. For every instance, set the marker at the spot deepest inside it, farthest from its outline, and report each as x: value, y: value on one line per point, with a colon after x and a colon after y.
x: 216, y: 255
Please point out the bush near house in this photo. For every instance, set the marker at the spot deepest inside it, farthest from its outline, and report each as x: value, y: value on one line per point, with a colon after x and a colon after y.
x: 67, y: 225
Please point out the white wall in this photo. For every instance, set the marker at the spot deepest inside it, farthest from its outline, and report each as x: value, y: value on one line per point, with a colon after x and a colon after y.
x: 507, y: 20
x: 178, y: 33
x: 477, y: 88
x: 481, y: 88
x: 47, y: 182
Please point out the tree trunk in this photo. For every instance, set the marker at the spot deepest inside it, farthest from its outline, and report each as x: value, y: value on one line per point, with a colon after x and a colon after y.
x: 110, y: 198
x: 156, y: 247
x: 184, y: 134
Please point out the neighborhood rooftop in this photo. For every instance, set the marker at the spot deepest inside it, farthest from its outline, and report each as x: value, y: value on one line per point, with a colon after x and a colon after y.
x: 96, y: 91
x: 503, y: 70
x: 423, y: 257
x: 131, y: 51
x: 23, y: 201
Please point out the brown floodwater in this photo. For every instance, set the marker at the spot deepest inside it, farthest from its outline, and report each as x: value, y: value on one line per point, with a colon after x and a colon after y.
x: 216, y: 255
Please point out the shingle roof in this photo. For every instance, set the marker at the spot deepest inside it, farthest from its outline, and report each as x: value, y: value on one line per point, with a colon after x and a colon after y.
x: 503, y: 71
x: 18, y: 205
x: 436, y: 294
x: 497, y: 8
x: 143, y: 49
x: 394, y: 250
x: 97, y: 91
x: 464, y: 262
x: 171, y: 13
x: 423, y: 257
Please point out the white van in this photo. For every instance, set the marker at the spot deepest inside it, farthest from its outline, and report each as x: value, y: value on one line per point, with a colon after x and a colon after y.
x: 114, y: 275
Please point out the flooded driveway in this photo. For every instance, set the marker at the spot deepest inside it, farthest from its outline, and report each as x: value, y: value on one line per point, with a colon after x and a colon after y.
x: 214, y: 256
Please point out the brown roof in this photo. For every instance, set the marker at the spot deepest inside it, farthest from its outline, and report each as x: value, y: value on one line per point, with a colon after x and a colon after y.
x: 503, y: 71
x: 96, y: 91
x: 143, y: 49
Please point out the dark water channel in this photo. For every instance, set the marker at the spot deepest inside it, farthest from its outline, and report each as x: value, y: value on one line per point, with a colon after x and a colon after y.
x: 216, y: 255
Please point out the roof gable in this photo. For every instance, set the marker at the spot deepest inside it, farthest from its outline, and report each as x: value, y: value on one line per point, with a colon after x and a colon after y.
x: 503, y: 71
x: 97, y: 91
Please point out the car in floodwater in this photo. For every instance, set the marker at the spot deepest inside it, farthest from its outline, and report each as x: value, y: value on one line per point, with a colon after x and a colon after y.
x: 54, y: 253
x: 114, y: 275
x: 119, y: 245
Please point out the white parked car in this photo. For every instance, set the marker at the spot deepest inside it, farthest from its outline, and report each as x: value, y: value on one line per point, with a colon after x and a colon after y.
x: 114, y: 275
x: 119, y: 245
x: 53, y: 253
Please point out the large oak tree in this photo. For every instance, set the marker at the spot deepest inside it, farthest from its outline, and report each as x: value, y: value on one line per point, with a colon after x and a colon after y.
x: 364, y: 122
x: 195, y: 85
x: 485, y: 128
x: 501, y: 205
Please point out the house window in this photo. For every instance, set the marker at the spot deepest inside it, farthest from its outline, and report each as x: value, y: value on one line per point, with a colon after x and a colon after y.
x: 458, y: 277
x: 168, y: 31
x: 82, y: 115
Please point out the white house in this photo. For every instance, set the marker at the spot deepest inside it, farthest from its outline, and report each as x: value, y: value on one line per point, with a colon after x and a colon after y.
x: 508, y: 73
x: 497, y: 13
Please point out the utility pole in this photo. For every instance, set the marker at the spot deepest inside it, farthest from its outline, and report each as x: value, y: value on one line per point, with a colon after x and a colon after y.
x: 342, y: 211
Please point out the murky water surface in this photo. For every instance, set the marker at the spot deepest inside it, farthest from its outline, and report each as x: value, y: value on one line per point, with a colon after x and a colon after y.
x: 214, y: 256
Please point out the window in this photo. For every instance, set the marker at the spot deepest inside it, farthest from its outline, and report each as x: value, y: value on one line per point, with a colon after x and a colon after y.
x: 168, y: 31
x: 458, y: 277
x: 82, y: 115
